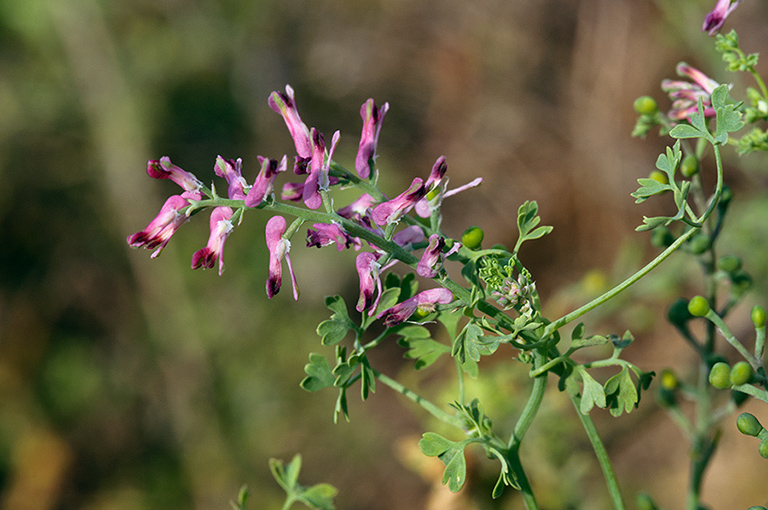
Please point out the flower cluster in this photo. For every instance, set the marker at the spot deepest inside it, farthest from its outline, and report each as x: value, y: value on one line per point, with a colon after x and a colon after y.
x: 371, y: 212
x: 685, y: 95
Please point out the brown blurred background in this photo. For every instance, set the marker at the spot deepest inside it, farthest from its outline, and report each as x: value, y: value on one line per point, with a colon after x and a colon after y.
x: 130, y: 383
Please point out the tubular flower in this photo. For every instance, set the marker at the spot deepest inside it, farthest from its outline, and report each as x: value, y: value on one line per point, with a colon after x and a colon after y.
x: 262, y: 187
x: 685, y: 95
x: 436, y: 186
x: 425, y: 300
x: 408, y: 236
x: 232, y: 171
x: 318, y: 178
x: 714, y: 20
x: 326, y: 234
x: 369, y: 271
x: 358, y: 208
x: 164, y: 169
x: 159, y: 231
x: 392, y: 210
x: 366, y: 153
x: 279, y: 248
x: 430, y: 262
x: 285, y: 105
x: 221, y: 227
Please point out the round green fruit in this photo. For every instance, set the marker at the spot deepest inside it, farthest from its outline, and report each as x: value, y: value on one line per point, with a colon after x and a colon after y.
x: 729, y: 263
x: 741, y: 373
x: 720, y: 376
x: 646, y: 105
x: 698, y: 306
x: 689, y: 166
x: 758, y: 316
x: 472, y: 238
x: 748, y: 424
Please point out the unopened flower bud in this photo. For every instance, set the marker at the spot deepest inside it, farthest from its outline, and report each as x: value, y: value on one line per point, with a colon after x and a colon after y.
x: 472, y: 238
x: 758, y: 316
x: 748, y: 424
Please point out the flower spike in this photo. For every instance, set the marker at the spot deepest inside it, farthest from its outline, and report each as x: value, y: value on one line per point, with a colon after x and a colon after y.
x: 221, y: 227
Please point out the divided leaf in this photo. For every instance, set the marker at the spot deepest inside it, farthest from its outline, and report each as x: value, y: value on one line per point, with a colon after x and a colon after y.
x: 527, y: 220
x: 319, y: 374
x: 333, y: 330
x: 452, y: 455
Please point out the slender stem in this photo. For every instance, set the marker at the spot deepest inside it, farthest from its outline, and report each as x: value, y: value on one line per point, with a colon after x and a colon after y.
x: 288, y: 502
x: 754, y: 391
x: 601, y: 454
x: 460, y: 379
x: 726, y: 332
x: 426, y: 404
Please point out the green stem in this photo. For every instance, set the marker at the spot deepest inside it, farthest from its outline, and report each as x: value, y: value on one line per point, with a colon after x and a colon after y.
x: 601, y: 454
x: 460, y: 379
x: 414, y: 397
x: 754, y: 391
x: 726, y: 332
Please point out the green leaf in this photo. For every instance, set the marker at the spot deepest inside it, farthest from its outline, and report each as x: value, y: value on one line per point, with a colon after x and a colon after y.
x: 527, y: 220
x: 686, y: 131
x: 621, y: 343
x: 286, y: 476
x: 341, y: 406
x: 592, y: 394
x: 648, y: 188
x: 318, y: 372
x: 452, y: 455
x: 367, y: 380
x: 727, y: 118
x: 319, y: 496
x: 424, y: 350
x: 388, y: 299
x: 471, y: 343
x: 622, y: 394
x: 333, y: 330
x: 589, y: 341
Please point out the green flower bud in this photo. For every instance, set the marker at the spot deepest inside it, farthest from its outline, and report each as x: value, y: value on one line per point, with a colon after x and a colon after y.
x: 763, y: 449
x: 646, y: 105
x: 669, y: 380
x: 659, y: 176
x: 720, y: 376
x: 699, y: 243
x: 729, y: 263
x: 472, y: 238
x: 748, y: 424
x: 698, y: 306
x: 689, y: 166
x: 661, y: 237
x: 741, y: 373
x: 758, y: 316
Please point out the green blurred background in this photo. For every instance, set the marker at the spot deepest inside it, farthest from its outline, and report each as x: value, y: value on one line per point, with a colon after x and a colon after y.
x: 130, y: 383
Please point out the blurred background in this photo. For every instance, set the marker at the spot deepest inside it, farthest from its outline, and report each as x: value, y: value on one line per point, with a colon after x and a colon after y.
x: 130, y: 383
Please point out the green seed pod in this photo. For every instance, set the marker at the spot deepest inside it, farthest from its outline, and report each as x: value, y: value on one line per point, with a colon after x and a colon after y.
x: 646, y: 105
x: 729, y: 263
x: 678, y: 313
x: 698, y: 306
x: 748, y: 424
x: 758, y: 316
x: 741, y: 373
x: 472, y: 238
x: 720, y: 376
x: 659, y: 176
x: 661, y: 237
x: 689, y: 166
x: 763, y: 448
x: 699, y: 243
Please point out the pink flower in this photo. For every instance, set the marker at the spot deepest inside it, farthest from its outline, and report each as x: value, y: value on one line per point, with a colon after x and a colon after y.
x: 221, y: 227
x: 408, y: 236
x: 358, y: 208
x: 430, y: 262
x: 231, y: 171
x: 392, y: 210
x: 159, y: 231
x: 164, y: 169
x: 318, y: 170
x: 327, y: 234
x: 685, y: 95
x: 714, y: 20
x: 262, y: 187
x: 436, y: 186
x: 425, y: 300
x: 369, y: 271
x: 285, y: 105
x: 279, y: 248
x: 366, y: 153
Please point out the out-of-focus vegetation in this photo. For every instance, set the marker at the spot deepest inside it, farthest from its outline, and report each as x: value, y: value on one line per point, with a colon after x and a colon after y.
x: 130, y: 383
